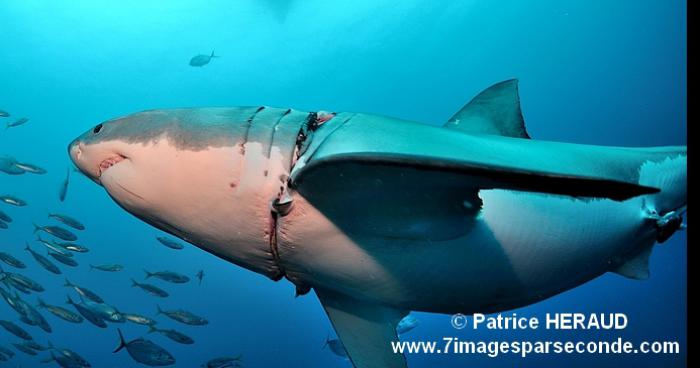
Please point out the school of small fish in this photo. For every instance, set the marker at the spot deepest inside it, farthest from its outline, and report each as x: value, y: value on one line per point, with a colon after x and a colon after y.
x: 54, y: 245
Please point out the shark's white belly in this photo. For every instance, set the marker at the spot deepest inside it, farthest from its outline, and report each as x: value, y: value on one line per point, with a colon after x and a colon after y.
x: 523, y: 248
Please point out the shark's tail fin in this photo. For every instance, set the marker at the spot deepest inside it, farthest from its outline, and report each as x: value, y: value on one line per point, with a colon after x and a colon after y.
x: 213, y: 55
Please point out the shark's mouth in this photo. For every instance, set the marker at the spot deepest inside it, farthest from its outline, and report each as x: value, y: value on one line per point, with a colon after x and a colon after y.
x: 109, y: 162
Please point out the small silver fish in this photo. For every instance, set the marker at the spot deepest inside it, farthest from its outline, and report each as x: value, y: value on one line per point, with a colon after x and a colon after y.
x: 7, y: 165
x: 24, y: 281
x: 56, y: 231
x: 63, y: 191
x: 168, y: 276
x: 12, y: 200
x: 65, y: 361
x: 150, y: 289
x: 32, y: 169
x: 4, y: 114
x: 43, y: 261
x: 176, y: 336
x: 67, y: 220
x: 74, y: 360
x: 32, y: 317
x: 202, y: 60
x: 6, y: 351
x: 223, y: 362
x: 172, y: 244
x: 54, y: 247
x: 68, y: 261
x: 71, y: 247
x: 5, y: 217
x: 12, y: 261
x: 107, y: 267
x: 138, y: 319
x: 12, y: 328
x: 25, y: 349
x: 183, y: 316
x: 16, y: 123
x: 35, y: 345
x: 60, y: 312
x: 84, y: 292
x: 105, y: 311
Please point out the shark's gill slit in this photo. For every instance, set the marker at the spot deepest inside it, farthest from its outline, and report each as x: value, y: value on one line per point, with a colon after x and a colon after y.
x: 273, y: 130
x: 249, y: 124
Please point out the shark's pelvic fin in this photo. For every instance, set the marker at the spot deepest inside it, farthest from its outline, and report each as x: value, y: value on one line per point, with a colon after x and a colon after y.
x: 496, y: 110
x: 636, y: 268
x: 365, y: 329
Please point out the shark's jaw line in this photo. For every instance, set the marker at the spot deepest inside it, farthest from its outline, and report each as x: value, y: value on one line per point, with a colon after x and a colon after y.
x: 129, y: 191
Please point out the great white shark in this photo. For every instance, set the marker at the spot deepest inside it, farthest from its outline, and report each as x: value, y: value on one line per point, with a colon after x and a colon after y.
x: 382, y: 216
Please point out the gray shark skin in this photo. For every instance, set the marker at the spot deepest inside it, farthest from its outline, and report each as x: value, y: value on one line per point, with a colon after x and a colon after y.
x: 381, y: 216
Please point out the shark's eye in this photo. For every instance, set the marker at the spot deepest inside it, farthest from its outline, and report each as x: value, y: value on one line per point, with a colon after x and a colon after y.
x: 97, y: 129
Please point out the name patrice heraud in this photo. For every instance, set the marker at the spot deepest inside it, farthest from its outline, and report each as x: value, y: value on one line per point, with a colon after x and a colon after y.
x: 551, y: 321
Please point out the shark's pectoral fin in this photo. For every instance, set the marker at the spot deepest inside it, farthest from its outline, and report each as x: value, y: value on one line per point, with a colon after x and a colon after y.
x: 496, y: 110
x: 637, y: 267
x: 365, y: 329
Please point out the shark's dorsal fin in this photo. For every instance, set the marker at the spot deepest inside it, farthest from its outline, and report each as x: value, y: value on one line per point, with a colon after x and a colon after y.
x: 496, y: 110
x: 636, y: 268
x: 365, y: 329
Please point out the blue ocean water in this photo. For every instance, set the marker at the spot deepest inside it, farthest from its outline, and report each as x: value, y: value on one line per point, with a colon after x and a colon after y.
x: 595, y: 72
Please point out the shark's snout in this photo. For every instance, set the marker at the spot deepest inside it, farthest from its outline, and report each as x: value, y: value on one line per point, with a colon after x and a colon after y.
x: 75, y: 151
x: 78, y: 152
